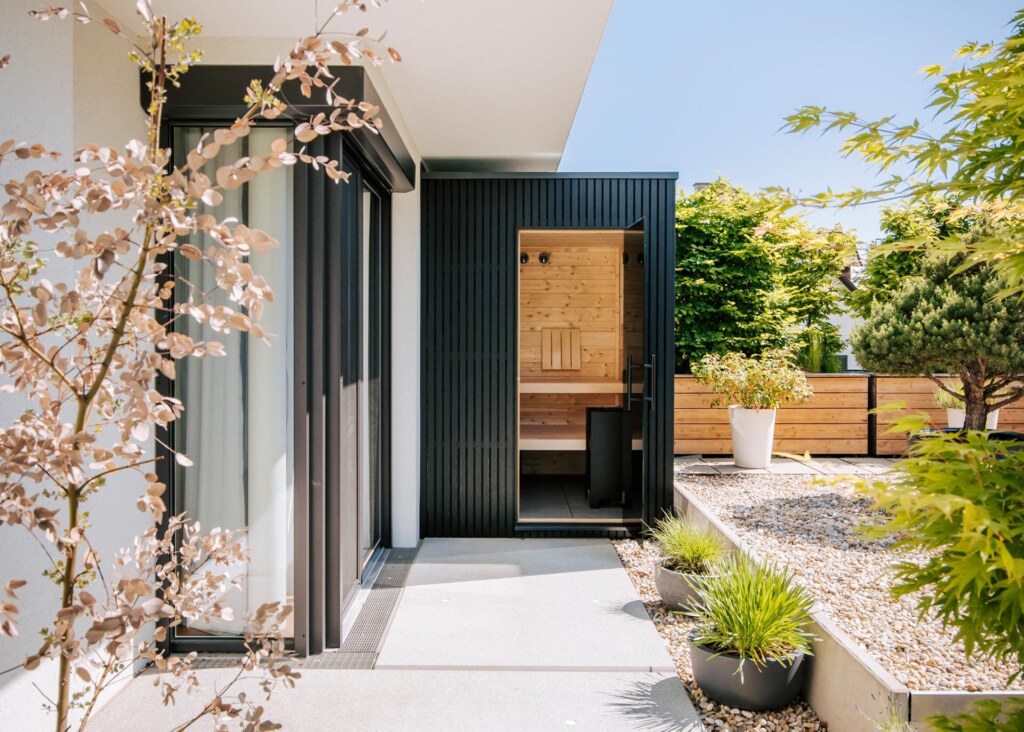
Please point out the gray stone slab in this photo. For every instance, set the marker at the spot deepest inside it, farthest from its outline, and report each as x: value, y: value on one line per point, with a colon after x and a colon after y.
x: 730, y: 468
x: 697, y: 469
x: 838, y: 466
x: 871, y: 464
x: 786, y: 466
x: 431, y: 701
x: 545, y: 604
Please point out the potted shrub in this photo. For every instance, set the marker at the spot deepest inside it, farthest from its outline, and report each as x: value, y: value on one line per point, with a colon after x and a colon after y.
x: 754, y: 388
x: 686, y: 552
x: 750, y: 641
x: 955, y: 412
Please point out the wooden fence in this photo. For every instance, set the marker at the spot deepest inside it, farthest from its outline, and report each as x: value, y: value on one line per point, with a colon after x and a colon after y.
x: 918, y: 394
x: 835, y: 421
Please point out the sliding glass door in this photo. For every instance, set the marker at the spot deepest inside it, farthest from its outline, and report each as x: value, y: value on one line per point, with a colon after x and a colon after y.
x: 251, y: 425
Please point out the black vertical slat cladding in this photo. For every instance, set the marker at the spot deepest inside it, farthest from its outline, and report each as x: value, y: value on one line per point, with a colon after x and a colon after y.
x: 470, y: 228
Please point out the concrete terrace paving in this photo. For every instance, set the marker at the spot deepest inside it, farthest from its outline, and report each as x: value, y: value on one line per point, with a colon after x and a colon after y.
x: 545, y: 604
x: 699, y: 465
x: 490, y: 634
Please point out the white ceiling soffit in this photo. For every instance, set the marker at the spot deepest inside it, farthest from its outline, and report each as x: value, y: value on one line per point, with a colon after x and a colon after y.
x: 484, y: 84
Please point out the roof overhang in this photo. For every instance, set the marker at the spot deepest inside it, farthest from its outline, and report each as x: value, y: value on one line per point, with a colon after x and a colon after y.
x: 484, y: 84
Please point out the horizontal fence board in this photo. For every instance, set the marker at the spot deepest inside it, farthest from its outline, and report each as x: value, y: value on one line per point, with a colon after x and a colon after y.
x: 693, y: 431
x: 720, y: 415
x: 798, y: 447
x: 821, y: 400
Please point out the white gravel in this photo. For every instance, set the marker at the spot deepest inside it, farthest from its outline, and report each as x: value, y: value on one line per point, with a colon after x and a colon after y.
x: 811, y: 525
x: 638, y: 559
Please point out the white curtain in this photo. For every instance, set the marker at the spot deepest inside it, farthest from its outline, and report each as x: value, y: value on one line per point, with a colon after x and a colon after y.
x: 270, y: 390
x: 237, y: 425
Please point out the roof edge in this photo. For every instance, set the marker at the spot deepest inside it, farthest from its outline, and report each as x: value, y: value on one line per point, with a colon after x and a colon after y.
x: 440, y: 175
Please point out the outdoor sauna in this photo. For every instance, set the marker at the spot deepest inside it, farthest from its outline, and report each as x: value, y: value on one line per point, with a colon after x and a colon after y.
x: 547, y: 353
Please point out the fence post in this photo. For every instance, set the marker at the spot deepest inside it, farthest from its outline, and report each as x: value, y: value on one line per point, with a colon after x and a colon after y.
x: 872, y: 421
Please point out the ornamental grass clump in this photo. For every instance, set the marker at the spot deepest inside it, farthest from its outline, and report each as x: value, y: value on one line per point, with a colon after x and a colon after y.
x: 753, y: 611
x: 954, y: 398
x: 765, y: 382
x: 687, y: 549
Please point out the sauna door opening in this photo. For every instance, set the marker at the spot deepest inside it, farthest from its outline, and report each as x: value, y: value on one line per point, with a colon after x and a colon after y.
x: 581, y: 344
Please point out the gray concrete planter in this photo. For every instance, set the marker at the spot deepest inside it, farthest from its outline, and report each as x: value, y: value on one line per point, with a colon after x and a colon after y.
x: 676, y: 588
x: 756, y: 689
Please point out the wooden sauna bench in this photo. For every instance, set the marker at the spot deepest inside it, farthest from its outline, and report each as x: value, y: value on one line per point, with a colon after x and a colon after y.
x: 564, y: 437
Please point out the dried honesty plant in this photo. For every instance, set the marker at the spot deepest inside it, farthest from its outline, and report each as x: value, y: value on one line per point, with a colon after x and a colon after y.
x: 83, y: 353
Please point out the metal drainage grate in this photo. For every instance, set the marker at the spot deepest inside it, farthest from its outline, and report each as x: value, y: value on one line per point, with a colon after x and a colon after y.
x: 326, y: 660
x: 360, y: 648
x: 370, y: 626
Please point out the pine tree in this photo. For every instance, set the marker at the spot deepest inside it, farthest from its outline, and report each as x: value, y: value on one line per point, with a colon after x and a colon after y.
x: 954, y: 322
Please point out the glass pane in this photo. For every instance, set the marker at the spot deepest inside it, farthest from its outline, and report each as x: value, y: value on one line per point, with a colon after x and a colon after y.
x: 369, y: 406
x: 237, y: 426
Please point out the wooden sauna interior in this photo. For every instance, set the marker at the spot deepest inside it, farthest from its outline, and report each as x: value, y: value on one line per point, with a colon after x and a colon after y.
x: 580, y: 319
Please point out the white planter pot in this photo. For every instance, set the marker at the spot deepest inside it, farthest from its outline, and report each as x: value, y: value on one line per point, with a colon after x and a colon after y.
x: 955, y: 419
x: 752, y: 433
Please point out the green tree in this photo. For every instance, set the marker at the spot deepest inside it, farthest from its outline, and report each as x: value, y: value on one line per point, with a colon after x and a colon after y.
x: 888, y: 266
x: 967, y: 520
x: 809, y: 289
x: 749, y: 279
x: 949, y: 319
x: 976, y: 157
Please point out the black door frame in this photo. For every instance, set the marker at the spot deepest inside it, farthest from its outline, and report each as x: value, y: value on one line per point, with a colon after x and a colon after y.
x: 577, y: 526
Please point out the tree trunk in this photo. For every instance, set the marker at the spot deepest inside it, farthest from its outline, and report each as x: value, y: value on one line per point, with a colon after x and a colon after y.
x: 975, y: 407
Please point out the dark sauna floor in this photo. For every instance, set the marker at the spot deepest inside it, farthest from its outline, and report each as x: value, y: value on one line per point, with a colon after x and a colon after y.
x: 559, y: 497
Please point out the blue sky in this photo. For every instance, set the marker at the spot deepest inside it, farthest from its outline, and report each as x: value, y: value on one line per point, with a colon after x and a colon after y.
x: 702, y: 87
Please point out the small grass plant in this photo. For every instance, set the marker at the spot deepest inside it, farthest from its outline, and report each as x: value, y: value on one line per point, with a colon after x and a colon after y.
x: 687, y: 549
x: 752, y: 610
x: 945, y: 400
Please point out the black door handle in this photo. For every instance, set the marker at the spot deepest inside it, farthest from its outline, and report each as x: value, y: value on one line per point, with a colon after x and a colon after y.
x: 648, y: 393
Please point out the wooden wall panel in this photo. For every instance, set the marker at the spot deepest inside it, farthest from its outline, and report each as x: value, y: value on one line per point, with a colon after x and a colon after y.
x: 833, y: 422
x: 579, y: 260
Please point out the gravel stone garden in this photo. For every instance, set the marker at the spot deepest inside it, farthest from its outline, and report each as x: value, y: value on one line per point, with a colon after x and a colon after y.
x: 812, y: 525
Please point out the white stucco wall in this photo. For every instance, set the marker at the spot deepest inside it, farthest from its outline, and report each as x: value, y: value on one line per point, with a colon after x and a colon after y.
x: 405, y: 364
x: 846, y: 322
x: 66, y: 84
